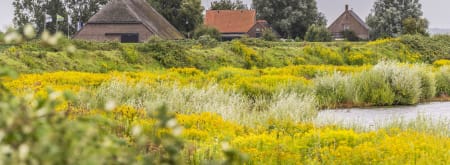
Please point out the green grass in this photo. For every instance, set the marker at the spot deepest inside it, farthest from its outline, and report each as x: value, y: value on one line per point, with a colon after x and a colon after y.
x: 35, y: 57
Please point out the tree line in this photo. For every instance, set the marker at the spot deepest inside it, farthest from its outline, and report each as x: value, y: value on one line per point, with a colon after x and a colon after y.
x: 290, y: 18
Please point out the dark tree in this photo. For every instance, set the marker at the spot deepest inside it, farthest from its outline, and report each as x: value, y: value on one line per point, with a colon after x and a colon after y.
x: 388, y: 17
x: 228, y: 5
x: 415, y: 26
x: 34, y: 12
x: 185, y: 15
x: 291, y: 18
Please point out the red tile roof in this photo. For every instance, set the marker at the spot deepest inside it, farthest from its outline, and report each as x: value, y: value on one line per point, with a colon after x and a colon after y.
x: 231, y: 21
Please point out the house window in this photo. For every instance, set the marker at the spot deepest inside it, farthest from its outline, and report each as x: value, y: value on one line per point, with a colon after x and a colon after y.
x: 129, y: 38
x: 123, y: 37
x: 258, y: 29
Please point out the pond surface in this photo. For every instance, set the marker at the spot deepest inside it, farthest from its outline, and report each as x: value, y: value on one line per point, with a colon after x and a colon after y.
x: 368, y: 117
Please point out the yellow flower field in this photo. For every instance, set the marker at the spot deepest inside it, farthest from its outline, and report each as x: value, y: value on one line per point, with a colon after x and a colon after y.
x: 233, y: 78
x: 263, y: 130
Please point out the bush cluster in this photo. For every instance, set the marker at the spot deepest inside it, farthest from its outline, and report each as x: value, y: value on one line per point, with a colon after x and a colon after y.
x: 316, y: 33
x: 168, y: 53
x: 387, y: 83
x: 443, y: 82
x: 430, y: 48
x: 350, y: 35
x: 207, y: 41
x: 207, y: 31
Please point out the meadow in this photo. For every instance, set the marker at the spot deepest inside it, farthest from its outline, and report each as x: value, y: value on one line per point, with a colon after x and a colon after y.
x: 240, y: 102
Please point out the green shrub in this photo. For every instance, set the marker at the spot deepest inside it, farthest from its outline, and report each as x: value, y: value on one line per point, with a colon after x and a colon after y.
x: 252, y: 59
x: 207, y: 41
x: 130, y: 54
x: 257, y: 42
x: 269, y: 35
x: 350, y: 35
x: 93, y: 46
x: 168, y: 53
x: 205, y: 30
x: 317, y: 33
x: 371, y: 87
x: 403, y: 80
x: 332, y: 90
x: 443, y: 82
x: 428, y: 83
x: 430, y: 48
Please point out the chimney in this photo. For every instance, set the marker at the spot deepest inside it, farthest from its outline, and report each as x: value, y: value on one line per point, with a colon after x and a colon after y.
x: 346, y: 7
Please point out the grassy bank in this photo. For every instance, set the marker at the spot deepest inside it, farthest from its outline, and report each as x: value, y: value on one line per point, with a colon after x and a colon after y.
x: 37, y: 57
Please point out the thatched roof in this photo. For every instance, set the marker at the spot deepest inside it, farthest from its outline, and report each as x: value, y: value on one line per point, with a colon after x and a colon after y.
x: 135, y: 11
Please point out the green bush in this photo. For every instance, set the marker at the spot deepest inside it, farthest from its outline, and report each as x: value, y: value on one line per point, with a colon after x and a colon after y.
x: 93, y: 46
x: 371, y: 87
x: 252, y: 59
x: 403, y: 80
x: 332, y: 90
x: 168, y: 53
x: 269, y: 35
x: 317, y: 33
x: 443, y: 82
x: 205, y: 30
x: 428, y: 83
x: 257, y: 42
x: 350, y: 35
x: 430, y: 48
x: 130, y: 54
x: 207, y: 41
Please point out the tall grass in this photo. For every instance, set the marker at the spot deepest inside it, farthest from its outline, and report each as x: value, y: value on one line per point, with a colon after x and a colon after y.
x: 231, y: 105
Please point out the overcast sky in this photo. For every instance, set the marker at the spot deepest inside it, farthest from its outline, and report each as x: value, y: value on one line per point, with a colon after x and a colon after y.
x: 436, y: 11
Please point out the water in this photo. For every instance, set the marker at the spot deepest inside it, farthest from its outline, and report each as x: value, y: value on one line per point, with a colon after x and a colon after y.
x: 371, y: 117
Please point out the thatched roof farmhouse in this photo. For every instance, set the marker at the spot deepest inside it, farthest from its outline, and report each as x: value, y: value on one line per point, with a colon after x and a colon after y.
x: 127, y: 21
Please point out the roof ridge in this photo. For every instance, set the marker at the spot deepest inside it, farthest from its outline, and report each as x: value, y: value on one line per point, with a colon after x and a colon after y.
x: 359, y: 19
x: 133, y: 12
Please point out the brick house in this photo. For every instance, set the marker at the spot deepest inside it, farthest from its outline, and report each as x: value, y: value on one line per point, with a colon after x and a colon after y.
x: 127, y: 21
x: 349, y: 20
x: 236, y: 23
